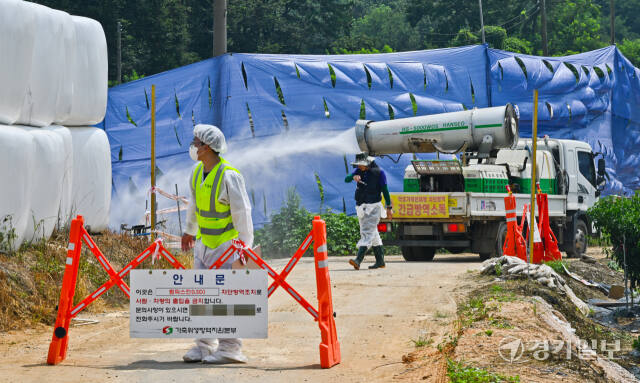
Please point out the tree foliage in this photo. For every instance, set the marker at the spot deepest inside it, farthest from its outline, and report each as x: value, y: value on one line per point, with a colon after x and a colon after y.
x: 619, y: 218
x: 158, y: 35
x: 289, y: 227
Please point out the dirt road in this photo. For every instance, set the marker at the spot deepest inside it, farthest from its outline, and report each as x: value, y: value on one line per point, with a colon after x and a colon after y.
x: 378, y: 314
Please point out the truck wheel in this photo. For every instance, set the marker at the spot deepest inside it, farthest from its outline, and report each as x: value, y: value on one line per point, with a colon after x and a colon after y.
x: 500, y: 238
x: 501, y: 235
x: 418, y: 253
x: 579, y: 240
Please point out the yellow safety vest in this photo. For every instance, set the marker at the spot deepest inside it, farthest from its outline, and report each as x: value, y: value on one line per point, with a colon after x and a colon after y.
x: 214, y: 218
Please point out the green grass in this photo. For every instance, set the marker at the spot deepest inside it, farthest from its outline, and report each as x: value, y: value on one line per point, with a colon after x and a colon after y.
x: 556, y: 266
x: 440, y: 315
x: 498, y: 269
x: 613, y: 265
x: 461, y: 373
x: 422, y: 341
x: 497, y: 289
x: 500, y: 323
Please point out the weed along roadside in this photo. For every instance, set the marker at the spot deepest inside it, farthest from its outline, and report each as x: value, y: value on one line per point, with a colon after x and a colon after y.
x: 521, y: 328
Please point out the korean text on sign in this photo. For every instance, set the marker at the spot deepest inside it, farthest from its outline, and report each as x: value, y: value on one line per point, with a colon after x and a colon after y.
x: 419, y: 205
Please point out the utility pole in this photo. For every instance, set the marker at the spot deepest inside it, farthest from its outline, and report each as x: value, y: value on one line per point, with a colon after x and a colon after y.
x: 545, y: 49
x: 612, y: 11
x: 119, y: 49
x: 481, y: 21
x: 219, y: 27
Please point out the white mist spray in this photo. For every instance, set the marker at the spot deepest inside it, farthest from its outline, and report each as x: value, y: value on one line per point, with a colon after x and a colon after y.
x: 254, y: 158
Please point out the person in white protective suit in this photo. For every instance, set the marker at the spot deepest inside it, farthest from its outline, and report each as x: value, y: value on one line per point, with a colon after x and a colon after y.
x: 219, y: 213
x: 371, y: 184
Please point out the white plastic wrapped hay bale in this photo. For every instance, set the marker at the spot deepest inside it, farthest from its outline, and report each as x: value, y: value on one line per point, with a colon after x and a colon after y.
x: 66, y: 75
x: 16, y: 175
x: 91, y: 191
x: 89, y: 99
x: 17, y: 36
x: 46, y: 182
x: 66, y: 183
x: 39, y: 107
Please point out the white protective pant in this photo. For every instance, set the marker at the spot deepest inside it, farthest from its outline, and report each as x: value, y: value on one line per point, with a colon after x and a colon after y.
x: 369, y: 216
x: 204, y: 257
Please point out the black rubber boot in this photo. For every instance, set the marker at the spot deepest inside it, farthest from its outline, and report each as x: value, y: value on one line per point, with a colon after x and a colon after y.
x: 379, y: 253
x: 359, y: 257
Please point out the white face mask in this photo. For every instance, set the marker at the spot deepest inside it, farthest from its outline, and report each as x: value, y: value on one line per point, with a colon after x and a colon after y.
x: 193, y: 152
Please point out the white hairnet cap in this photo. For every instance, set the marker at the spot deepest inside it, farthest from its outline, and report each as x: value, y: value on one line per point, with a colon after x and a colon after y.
x: 211, y: 136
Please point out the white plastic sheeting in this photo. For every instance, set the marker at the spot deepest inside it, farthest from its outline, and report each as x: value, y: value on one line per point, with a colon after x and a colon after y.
x: 17, y: 158
x: 45, y: 181
x: 53, y: 67
x: 90, y: 70
x: 91, y: 194
x: 47, y: 66
x: 50, y: 175
x: 17, y: 36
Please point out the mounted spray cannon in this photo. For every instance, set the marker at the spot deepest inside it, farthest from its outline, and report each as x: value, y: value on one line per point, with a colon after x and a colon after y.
x: 476, y: 130
x: 458, y: 203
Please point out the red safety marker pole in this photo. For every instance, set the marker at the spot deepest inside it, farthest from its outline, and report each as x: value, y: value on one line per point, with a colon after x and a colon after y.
x: 514, y: 244
x: 329, y: 347
x: 60, y: 340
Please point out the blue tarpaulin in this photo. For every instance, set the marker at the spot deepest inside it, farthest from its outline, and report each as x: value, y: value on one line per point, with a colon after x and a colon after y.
x: 258, y: 99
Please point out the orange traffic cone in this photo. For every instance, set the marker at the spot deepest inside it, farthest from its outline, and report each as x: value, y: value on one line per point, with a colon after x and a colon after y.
x: 551, y: 250
x: 514, y: 244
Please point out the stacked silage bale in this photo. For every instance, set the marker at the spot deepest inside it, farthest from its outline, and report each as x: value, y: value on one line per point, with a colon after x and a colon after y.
x: 53, y: 87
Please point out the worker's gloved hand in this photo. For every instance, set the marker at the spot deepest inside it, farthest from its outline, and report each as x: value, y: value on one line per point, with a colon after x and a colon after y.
x: 357, y: 178
x: 187, y: 242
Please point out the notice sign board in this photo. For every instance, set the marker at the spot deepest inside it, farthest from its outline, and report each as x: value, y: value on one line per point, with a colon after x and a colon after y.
x: 420, y: 205
x: 198, y: 304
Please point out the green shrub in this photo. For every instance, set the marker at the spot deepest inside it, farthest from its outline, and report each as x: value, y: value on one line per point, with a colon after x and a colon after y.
x: 460, y: 373
x: 619, y: 218
x: 556, y: 266
x: 288, y: 228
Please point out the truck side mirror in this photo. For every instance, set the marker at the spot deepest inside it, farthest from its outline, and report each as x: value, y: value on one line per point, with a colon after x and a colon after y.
x: 601, y: 167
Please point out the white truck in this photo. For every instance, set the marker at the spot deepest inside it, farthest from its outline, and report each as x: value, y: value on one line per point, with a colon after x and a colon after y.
x: 458, y: 204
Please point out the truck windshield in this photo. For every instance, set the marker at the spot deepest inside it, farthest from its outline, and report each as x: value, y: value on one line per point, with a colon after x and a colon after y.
x: 587, y: 169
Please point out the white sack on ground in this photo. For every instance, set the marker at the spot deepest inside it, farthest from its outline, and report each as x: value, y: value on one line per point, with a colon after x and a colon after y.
x: 47, y: 67
x: 91, y: 194
x: 17, y: 36
x: 16, y: 173
x: 89, y: 101
x: 46, y: 182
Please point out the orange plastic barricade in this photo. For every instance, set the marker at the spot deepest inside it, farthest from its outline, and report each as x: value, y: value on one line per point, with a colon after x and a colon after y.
x: 78, y: 234
x: 551, y: 250
x: 514, y: 244
x: 329, y: 346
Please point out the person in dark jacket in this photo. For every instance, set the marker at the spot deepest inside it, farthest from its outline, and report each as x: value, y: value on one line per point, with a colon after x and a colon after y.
x: 371, y: 184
